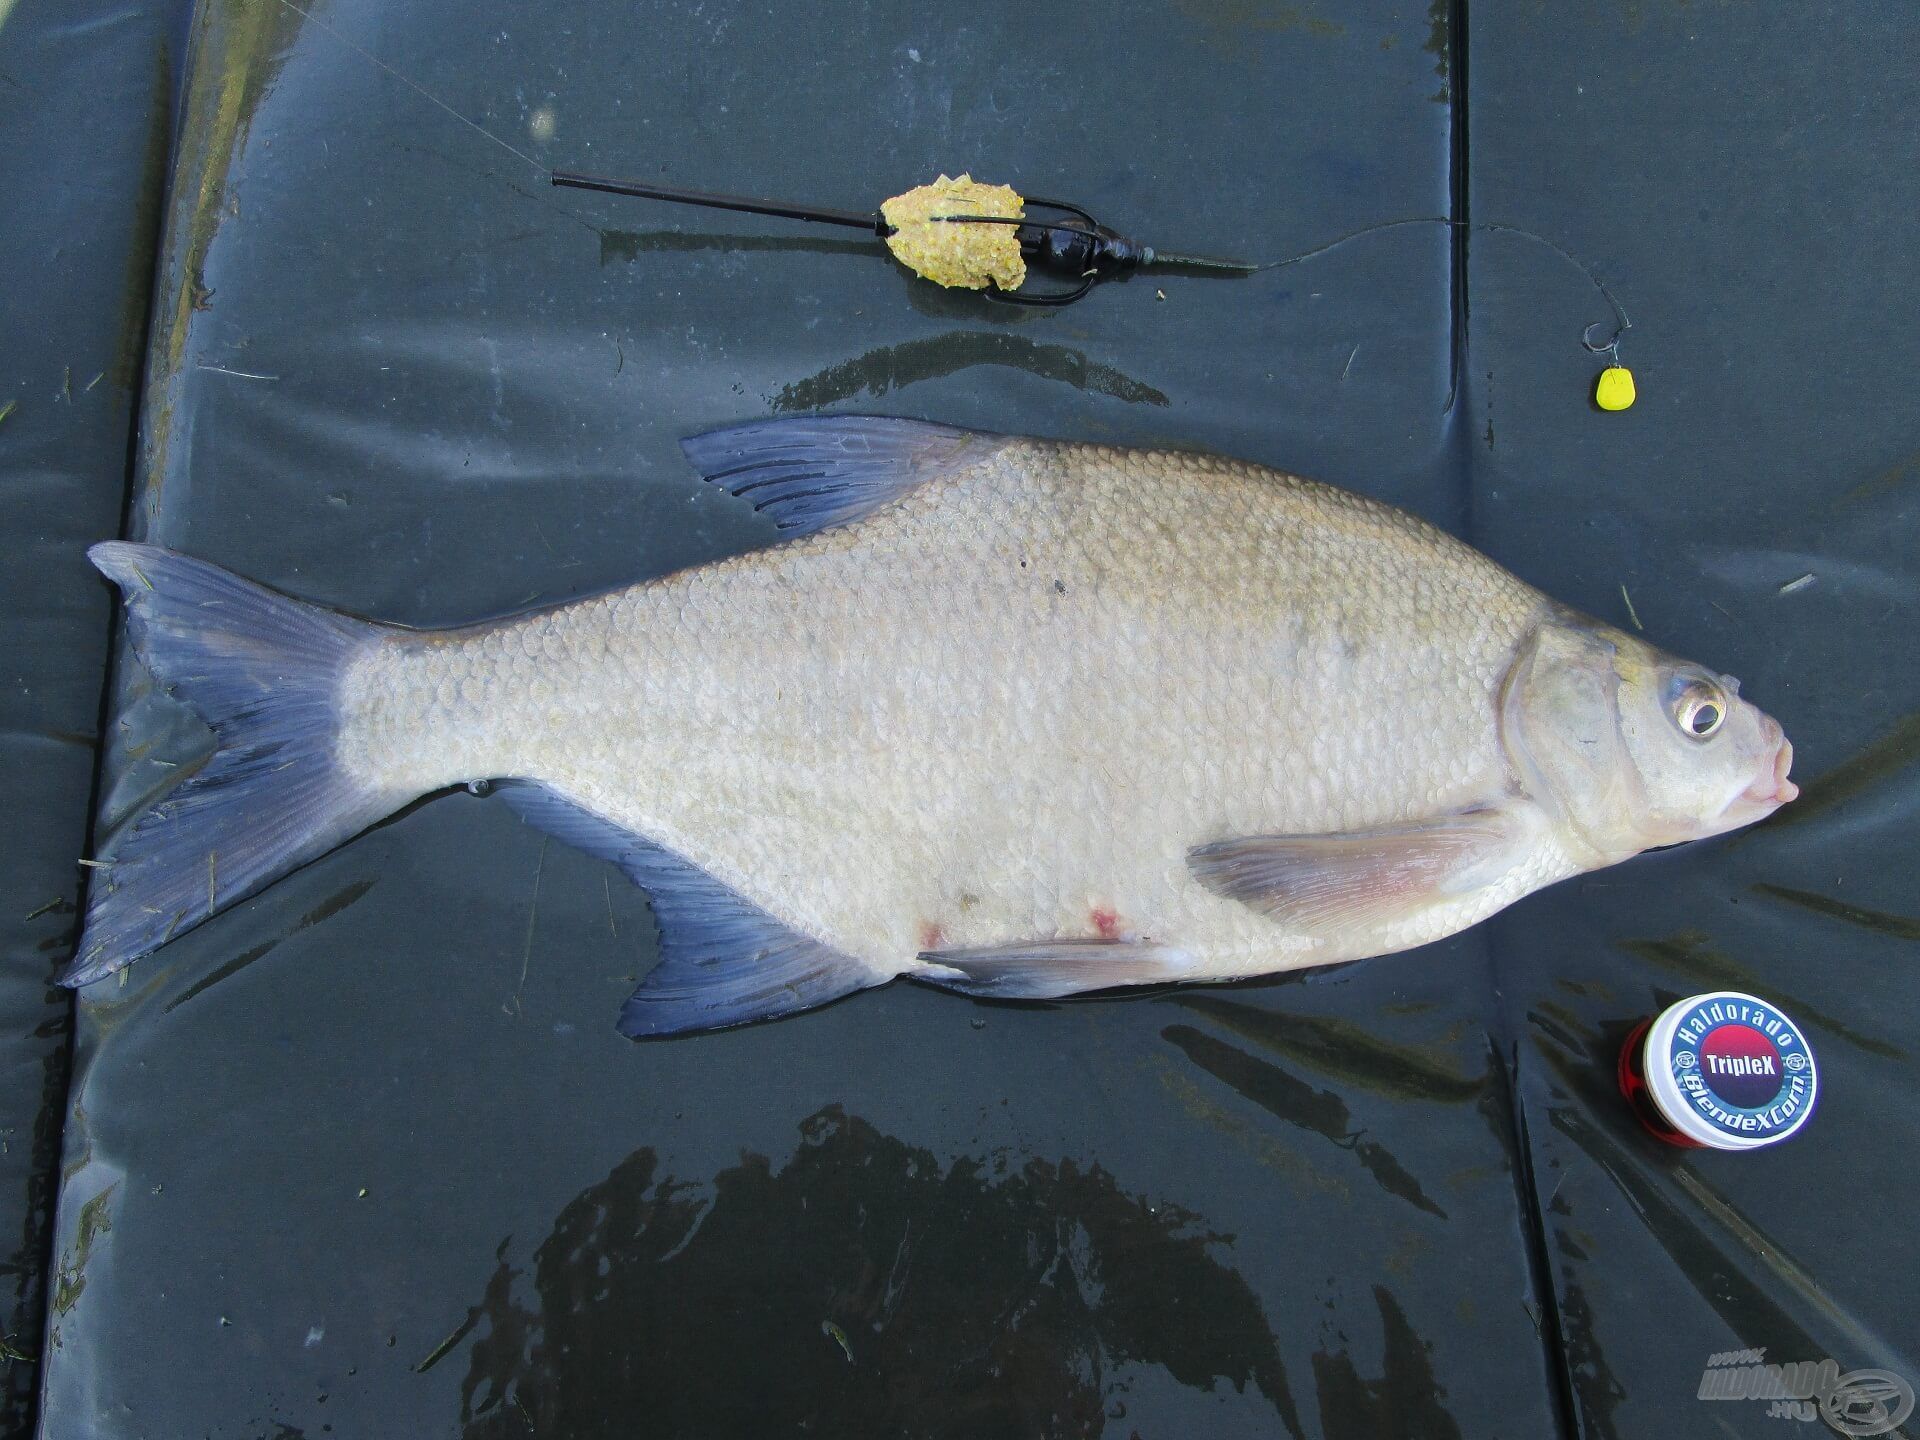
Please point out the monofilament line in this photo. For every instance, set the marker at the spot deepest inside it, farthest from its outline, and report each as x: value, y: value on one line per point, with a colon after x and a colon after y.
x: 1493, y: 227
x: 418, y: 89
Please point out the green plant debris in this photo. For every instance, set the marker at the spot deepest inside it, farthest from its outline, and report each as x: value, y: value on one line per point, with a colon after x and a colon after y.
x: 445, y: 1347
x: 8, y: 408
x: 96, y: 1219
x: 827, y: 1327
x: 66, y: 1291
x: 1901, y: 927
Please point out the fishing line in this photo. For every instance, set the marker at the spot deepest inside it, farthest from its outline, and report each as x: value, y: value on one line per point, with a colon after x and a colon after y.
x: 1621, y: 323
x: 418, y: 89
x: 1609, y: 347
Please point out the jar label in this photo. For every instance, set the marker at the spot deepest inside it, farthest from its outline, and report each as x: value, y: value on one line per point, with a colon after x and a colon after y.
x: 1741, y: 1067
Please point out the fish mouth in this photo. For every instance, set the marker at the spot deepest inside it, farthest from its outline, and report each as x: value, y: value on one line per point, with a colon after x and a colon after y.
x: 1773, y: 789
x: 1769, y: 791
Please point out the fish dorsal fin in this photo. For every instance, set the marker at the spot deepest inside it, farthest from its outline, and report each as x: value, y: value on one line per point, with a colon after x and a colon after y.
x: 723, y: 960
x: 1047, y: 969
x: 814, y: 472
x: 1330, y: 885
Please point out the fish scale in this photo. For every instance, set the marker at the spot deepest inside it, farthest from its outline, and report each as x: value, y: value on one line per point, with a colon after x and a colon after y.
x: 853, y: 728
x: 1017, y: 717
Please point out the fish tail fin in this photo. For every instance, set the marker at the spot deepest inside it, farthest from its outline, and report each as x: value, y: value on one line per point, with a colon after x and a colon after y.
x: 264, y: 671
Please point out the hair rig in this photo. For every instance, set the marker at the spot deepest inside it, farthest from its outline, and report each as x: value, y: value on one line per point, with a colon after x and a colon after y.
x: 963, y: 234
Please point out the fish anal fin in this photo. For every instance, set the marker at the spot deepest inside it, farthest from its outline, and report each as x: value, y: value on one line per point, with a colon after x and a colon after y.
x: 1047, y: 969
x: 1334, y: 884
x: 723, y: 960
x: 813, y: 472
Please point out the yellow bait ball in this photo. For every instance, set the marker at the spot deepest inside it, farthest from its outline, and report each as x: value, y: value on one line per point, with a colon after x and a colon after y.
x: 1614, y: 389
x: 968, y: 256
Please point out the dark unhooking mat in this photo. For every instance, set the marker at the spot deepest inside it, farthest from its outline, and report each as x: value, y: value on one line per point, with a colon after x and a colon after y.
x: 84, y: 91
x: 364, y: 1156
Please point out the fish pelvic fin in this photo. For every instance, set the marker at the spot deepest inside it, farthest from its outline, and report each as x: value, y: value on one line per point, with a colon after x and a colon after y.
x: 264, y: 672
x: 723, y: 960
x: 1336, y: 886
x: 819, y: 471
x: 1048, y: 969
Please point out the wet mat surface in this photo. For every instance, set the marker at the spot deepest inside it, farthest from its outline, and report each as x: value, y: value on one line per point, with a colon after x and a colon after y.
x: 76, y: 243
x: 364, y: 1155
x: 1763, y: 239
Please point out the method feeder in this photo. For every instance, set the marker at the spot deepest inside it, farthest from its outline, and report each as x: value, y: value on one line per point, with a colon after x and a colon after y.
x: 961, y: 233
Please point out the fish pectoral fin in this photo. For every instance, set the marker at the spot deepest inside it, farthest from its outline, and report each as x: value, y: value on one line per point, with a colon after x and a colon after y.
x: 1047, y: 969
x: 1326, y: 885
x: 723, y: 960
x: 832, y: 469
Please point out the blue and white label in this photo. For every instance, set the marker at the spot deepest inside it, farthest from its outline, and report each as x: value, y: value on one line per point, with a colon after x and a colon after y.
x: 1731, y: 1071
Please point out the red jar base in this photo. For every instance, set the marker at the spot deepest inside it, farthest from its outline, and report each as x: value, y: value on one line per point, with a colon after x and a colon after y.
x: 1633, y: 1084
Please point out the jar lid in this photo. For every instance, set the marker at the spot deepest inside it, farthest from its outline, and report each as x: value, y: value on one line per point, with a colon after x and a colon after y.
x: 1730, y: 1071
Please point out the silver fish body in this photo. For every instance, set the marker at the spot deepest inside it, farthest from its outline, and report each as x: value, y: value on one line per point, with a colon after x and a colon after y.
x: 1026, y: 718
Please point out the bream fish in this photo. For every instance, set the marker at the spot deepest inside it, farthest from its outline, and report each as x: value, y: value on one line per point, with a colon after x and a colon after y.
x: 1016, y: 717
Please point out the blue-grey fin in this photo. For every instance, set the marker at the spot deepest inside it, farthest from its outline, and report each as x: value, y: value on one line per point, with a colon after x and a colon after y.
x: 813, y: 472
x: 1048, y: 969
x: 723, y: 960
x: 262, y: 670
x: 1325, y: 885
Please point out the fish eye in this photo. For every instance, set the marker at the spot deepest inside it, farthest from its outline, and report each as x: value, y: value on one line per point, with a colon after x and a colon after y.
x: 1699, y: 710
